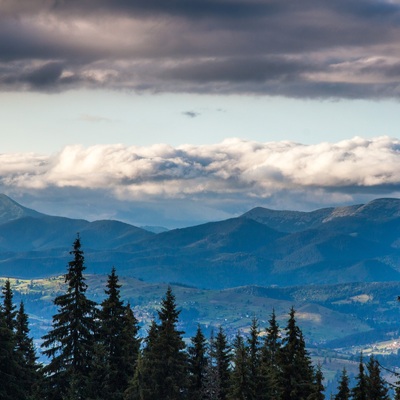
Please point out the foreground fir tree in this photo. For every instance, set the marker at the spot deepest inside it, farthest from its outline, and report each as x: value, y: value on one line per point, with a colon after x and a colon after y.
x: 130, y: 342
x: 118, y: 337
x: 269, y: 368
x: 143, y: 385
x: 197, y: 365
x: 376, y: 386
x: 240, y: 375
x: 70, y: 343
x: 98, y: 374
x: 359, y: 392
x: 169, y: 346
x: 297, y: 373
x: 11, y: 377
x: 343, y: 388
x: 254, y: 362
x: 319, y: 389
x: 9, y: 308
x: 222, y: 360
x: 211, y: 386
x: 162, y: 373
x: 30, y: 370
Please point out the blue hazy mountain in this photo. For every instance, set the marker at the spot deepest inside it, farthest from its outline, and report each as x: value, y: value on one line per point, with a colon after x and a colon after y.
x: 10, y: 210
x: 359, y: 243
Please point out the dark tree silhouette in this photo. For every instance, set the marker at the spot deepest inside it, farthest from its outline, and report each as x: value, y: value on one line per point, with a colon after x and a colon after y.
x: 343, y: 388
x: 30, y: 370
x: 197, y: 365
x: 70, y: 342
x: 163, y: 370
x: 297, y: 373
x: 359, y: 392
x: 118, y: 337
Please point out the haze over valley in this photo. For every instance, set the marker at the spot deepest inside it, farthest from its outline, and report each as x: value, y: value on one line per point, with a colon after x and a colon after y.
x: 337, y: 266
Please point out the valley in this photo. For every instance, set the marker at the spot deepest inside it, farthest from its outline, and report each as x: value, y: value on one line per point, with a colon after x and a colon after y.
x: 339, y: 268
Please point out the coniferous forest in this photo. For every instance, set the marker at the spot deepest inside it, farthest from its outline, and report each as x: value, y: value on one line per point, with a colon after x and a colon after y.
x: 94, y: 352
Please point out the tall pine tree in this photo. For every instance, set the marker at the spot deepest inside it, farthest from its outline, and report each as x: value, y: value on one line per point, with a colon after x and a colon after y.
x: 269, y: 368
x: 343, y: 388
x: 240, y: 375
x: 197, y: 365
x: 70, y: 343
x: 222, y: 360
x: 11, y: 377
x: 144, y: 384
x: 169, y: 347
x: 118, y: 336
x: 319, y: 389
x: 131, y: 342
x: 30, y: 369
x: 162, y: 373
x: 297, y: 374
x: 376, y: 386
x: 8, y: 305
x: 360, y: 390
x: 254, y: 362
x: 211, y: 387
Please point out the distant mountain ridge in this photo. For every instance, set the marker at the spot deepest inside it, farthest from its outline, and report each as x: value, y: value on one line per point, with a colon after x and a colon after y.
x: 24, y: 229
x: 10, y: 210
x: 296, y: 221
x: 261, y: 247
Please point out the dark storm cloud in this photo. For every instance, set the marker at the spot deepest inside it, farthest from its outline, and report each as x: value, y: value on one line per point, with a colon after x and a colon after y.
x: 240, y: 69
x: 308, y: 48
x: 46, y: 75
x: 191, y: 9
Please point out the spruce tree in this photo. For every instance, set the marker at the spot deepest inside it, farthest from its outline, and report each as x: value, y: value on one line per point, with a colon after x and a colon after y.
x: 254, y: 362
x: 144, y: 384
x: 130, y: 342
x: 269, y: 368
x: 169, y: 346
x: 118, y: 331
x: 272, y: 339
x: 376, y: 386
x: 9, y: 308
x: 11, y: 378
x: 135, y: 387
x: 211, y: 387
x: 295, y: 363
x: 318, y: 390
x: 222, y: 360
x: 240, y: 375
x: 163, y: 373
x: 343, y: 388
x: 197, y: 365
x: 30, y: 370
x: 70, y: 343
x: 99, y: 373
x: 359, y: 391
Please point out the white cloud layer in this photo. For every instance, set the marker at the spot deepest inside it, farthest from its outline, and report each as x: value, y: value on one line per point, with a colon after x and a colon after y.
x: 232, y: 167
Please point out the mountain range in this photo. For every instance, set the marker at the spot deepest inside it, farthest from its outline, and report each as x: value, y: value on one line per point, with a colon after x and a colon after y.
x: 358, y: 243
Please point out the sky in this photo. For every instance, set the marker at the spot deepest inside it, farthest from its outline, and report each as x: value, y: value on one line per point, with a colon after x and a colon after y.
x: 179, y: 112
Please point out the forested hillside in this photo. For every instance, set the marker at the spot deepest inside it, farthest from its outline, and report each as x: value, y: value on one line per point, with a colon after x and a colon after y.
x: 94, y: 351
x: 262, y: 247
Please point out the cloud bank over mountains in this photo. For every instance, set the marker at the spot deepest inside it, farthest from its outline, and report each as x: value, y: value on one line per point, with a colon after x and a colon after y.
x: 212, y: 180
x: 308, y: 49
